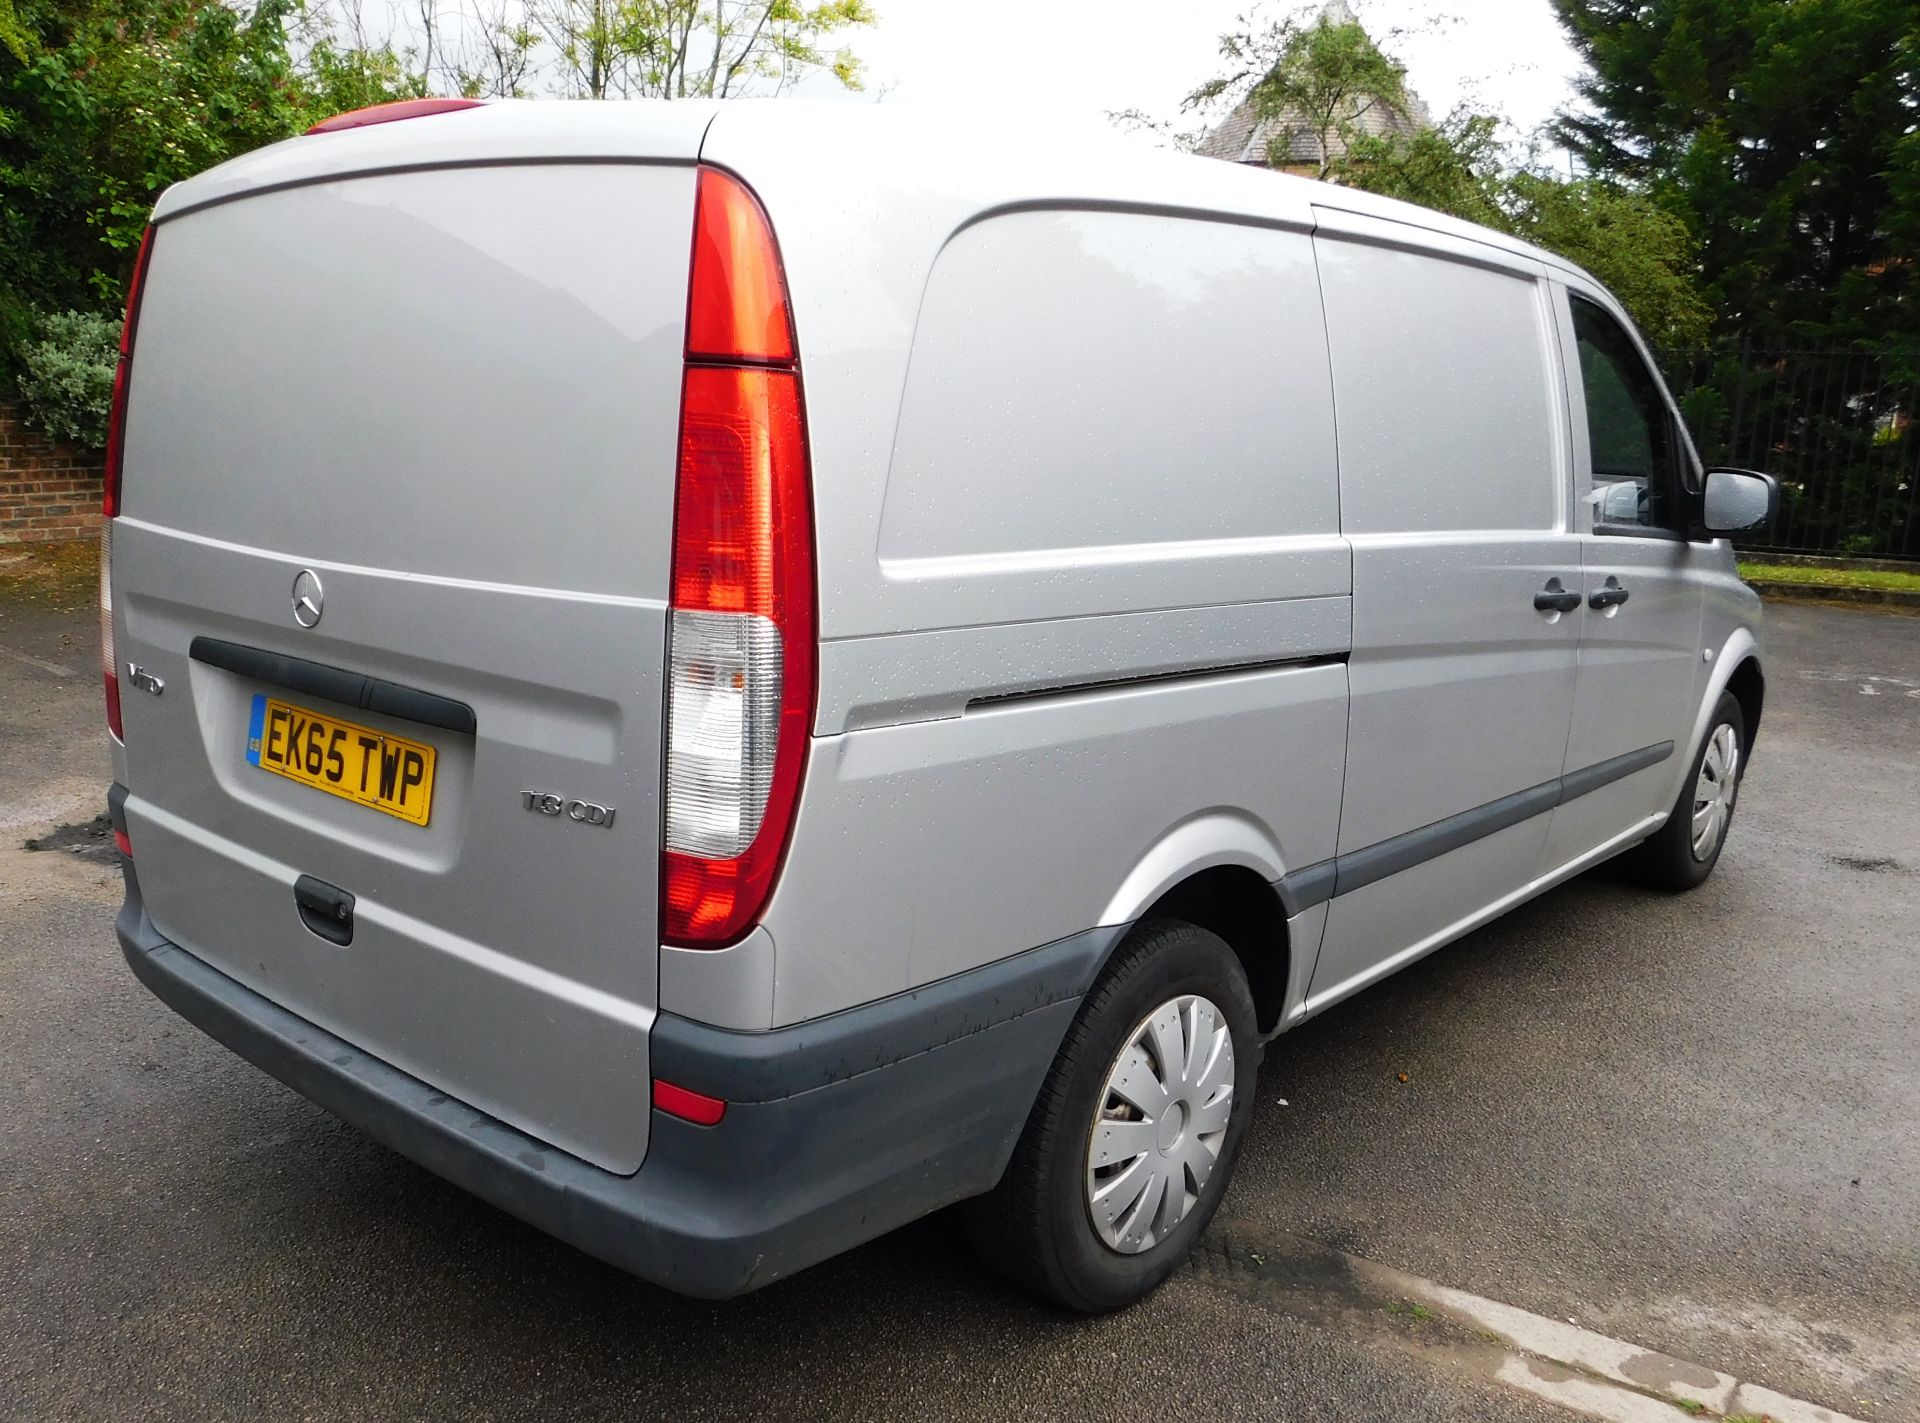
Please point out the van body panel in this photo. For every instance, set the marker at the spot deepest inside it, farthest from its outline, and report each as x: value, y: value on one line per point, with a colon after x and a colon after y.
x: 1072, y: 502
x: 861, y: 252
x: 1038, y: 810
x: 511, y: 131
x: 1370, y: 925
x: 1467, y: 691
x: 358, y: 379
x: 1453, y: 479
x: 1731, y: 633
x: 1066, y: 325
x: 1637, y: 682
x: 728, y: 988
x: 922, y: 676
x: 400, y: 359
x: 1325, y: 995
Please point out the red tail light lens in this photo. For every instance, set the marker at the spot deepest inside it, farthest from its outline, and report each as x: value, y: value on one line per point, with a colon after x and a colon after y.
x: 110, y: 484
x: 737, y: 308
x: 741, y: 650
x: 740, y: 513
x: 122, y: 377
x: 389, y: 113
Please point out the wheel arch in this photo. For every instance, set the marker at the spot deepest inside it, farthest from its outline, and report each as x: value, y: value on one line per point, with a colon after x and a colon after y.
x: 1749, y: 687
x: 1245, y: 911
x: 1220, y: 871
x: 1736, y: 669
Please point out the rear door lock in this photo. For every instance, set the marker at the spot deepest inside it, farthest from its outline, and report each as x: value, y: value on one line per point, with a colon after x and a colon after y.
x: 325, y: 909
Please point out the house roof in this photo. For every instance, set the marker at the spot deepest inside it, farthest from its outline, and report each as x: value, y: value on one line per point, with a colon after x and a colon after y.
x: 1244, y: 137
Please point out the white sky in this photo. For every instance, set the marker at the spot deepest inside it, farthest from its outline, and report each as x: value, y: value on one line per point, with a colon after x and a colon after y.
x: 1086, y: 57
x: 1078, y: 60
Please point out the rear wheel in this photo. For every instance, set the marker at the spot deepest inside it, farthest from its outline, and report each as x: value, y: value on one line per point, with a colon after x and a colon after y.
x: 1683, y: 852
x: 1127, y: 1151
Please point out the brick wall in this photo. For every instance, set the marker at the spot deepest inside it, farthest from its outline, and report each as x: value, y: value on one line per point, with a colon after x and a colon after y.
x: 48, y: 492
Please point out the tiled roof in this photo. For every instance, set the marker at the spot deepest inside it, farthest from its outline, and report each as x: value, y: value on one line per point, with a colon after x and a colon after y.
x: 1243, y: 137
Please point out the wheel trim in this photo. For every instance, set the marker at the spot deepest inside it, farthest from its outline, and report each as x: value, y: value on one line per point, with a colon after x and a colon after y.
x: 1713, y: 791
x: 1160, y: 1123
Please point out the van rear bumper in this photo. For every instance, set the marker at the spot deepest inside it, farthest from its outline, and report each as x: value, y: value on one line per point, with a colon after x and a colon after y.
x: 836, y: 1131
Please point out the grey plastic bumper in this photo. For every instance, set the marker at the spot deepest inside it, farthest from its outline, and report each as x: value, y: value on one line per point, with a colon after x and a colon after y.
x: 836, y: 1131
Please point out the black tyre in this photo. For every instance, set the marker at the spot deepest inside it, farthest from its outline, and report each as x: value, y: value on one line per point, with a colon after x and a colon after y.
x: 1153, y: 1084
x: 1683, y: 852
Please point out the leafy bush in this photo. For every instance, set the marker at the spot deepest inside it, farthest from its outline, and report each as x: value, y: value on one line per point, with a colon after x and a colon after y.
x: 109, y: 102
x: 66, y: 376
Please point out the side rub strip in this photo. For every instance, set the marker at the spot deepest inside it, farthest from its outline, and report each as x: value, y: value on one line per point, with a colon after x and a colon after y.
x: 1317, y: 883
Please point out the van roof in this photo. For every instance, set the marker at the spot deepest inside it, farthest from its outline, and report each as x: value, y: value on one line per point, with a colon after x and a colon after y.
x: 991, y: 156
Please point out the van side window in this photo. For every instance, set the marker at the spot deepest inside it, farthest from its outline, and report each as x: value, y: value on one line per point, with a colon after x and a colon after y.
x: 1629, y: 432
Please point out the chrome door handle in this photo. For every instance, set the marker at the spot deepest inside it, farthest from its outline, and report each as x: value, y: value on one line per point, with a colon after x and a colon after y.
x: 1556, y: 599
x: 1609, y: 595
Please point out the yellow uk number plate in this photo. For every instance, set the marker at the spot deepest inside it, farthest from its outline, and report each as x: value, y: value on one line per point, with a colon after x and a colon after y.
x: 371, y: 768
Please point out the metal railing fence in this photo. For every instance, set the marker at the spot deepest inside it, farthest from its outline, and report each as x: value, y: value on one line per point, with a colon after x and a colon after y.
x: 1840, y: 429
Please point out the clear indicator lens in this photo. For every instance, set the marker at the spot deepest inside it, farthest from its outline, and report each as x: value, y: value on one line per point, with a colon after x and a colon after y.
x: 723, y: 728
x: 108, y: 666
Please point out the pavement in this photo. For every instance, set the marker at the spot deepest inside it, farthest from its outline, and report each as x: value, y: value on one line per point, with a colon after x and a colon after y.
x: 1688, y: 1122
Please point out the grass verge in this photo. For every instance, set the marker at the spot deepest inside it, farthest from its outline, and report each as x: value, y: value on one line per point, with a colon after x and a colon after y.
x: 1832, y: 577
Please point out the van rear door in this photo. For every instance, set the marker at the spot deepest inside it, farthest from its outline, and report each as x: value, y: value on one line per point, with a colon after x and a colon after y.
x: 400, y: 444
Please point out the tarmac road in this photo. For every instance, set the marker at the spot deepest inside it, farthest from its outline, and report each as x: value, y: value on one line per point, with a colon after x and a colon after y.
x: 1692, y: 1122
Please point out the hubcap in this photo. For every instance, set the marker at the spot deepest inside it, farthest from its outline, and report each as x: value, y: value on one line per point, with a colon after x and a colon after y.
x: 1714, y: 790
x: 1162, y: 1120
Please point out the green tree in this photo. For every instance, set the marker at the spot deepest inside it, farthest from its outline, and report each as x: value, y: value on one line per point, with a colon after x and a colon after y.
x: 1314, y: 79
x: 13, y: 35
x: 677, y: 49
x: 336, y: 76
x: 493, y: 54
x: 1456, y: 166
x: 1638, y: 250
x: 103, y: 105
x: 108, y: 106
x: 1783, y: 136
x: 1321, y: 78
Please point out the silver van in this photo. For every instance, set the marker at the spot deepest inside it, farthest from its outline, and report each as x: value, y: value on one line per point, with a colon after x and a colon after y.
x: 729, y: 676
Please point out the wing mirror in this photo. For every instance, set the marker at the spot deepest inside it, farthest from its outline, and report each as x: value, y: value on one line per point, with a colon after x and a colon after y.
x: 1738, y: 501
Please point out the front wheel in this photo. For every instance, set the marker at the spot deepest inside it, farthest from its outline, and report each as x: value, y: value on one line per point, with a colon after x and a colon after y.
x: 1683, y: 852
x: 1127, y: 1151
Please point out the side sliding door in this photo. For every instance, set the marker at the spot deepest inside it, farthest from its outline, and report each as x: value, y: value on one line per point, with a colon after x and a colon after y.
x: 1455, y: 494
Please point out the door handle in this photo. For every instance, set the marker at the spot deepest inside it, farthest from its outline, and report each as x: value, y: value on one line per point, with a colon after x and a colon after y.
x: 1556, y: 599
x: 1608, y: 595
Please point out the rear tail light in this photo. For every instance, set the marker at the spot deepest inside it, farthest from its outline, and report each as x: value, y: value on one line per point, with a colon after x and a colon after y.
x: 110, y: 484
x: 740, y: 665
x: 737, y: 308
x: 122, y: 378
